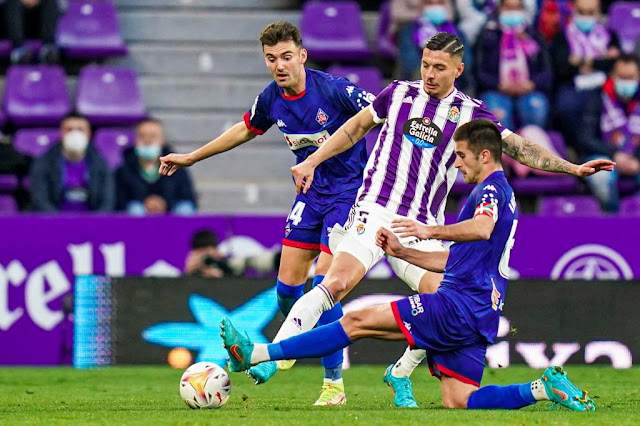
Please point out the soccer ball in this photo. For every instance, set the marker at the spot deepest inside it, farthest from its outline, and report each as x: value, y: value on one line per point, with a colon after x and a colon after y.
x: 205, y: 385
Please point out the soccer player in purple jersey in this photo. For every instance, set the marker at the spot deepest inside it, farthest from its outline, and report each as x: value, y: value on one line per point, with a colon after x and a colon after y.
x: 408, y: 175
x: 457, y: 322
x: 307, y: 106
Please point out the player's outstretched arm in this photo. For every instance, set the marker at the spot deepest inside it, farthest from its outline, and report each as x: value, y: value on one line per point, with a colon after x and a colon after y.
x: 538, y: 157
x: 475, y: 229
x: 231, y: 138
x: 433, y: 261
x: 344, y: 138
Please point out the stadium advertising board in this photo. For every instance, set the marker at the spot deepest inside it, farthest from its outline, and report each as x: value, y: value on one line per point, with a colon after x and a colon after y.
x: 42, y: 254
x: 543, y: 323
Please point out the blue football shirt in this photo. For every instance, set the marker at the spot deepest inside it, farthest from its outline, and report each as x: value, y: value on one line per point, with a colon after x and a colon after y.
x: 308, y: 119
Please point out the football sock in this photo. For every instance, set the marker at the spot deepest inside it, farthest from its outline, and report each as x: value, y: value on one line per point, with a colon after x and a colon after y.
x: 312, y: 344
x: 408, y: 362
x: 305, y: 313
x: 538, y: 391
x: 507, y: 397
x: 288, y: 295
x: 332, y: 363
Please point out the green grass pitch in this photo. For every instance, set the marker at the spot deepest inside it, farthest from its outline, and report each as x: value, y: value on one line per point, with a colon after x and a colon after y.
x: 149, y: 395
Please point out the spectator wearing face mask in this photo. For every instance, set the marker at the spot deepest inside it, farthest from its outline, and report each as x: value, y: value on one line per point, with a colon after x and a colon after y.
x: 610, y: 128
x: 436, y: 16
x: 140, y: 189
x: 513, y: 74
x: 583, y: 55
x: 72, y: 176
x: 474, y: 14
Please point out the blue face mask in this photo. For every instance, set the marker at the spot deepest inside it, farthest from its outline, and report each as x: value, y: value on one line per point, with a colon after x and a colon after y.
x: 148, y: 152
x: 436, y: 14
x: 512, y: 18
x: 584, y: 23
x: 625, y: 88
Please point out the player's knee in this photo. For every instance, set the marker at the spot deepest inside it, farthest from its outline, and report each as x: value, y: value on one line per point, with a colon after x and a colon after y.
x: 336, y: 285
x: 353, y: 324
x: 454, y: 401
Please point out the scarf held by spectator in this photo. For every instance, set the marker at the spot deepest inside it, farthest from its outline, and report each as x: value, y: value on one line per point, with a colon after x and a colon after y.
x: 620, y: 123
x: 515, y: 47
x: 591, y: 45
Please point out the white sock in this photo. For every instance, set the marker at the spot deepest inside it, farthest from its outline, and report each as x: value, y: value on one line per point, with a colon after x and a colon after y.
x: 408, y: 362
x: 305, y: 313
x: 334, y: 382
x: 260, y: 353
x: 538, y: 391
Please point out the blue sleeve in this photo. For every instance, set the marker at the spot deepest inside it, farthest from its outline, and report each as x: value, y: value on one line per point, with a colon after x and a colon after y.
x: 352, y: 97
x: 258, y: 119
x: 489, y: 201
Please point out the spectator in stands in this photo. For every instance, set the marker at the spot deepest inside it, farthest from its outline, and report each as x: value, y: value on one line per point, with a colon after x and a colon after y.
x: 513, y: 74
x: 582, y: 55
x: 435, y: 16
x: 609, y: 128
x: 204, y: 259
x: 72, y: 176
x: 140, y: 189
x: 36, y: 19
x: 474, y: 14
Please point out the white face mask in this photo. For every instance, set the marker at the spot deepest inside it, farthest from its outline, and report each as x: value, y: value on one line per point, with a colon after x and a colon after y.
x: 75, y: 141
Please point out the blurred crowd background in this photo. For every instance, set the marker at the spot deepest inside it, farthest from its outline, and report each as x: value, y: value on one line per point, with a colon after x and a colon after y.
x: 94, y: 92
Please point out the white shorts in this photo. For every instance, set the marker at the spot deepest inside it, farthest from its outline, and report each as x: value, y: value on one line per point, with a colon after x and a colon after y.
x: 358, y: 238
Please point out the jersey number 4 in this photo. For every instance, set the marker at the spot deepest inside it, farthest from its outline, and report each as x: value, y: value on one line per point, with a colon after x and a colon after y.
x: 503, y: 267
x: 296, y: 213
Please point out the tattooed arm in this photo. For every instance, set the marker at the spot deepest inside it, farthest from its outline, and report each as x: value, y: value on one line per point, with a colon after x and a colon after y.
x: 538, y: 157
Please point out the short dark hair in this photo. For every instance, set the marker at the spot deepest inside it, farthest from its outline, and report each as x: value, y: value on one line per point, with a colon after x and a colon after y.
x: 629, y: 58
x: 279, y: 31
x: 481, y: 134
x: 447, y: 42
x: 204, y: 238
x: 149, y: 120
x: 75, y: 115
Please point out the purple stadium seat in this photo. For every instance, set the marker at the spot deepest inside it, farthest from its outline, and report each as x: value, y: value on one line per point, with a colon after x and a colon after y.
x: 35, y: 142
x: 90, y: 29
x: 33, y: 45
x: 386, y: 45
x: 8, y: 204
x: 110, y: 96
x: 624, y: 20
x: 334, y: 31
x: 630, y: 206
x: 369, y: 78
x: 8, y: 183
x: 580, y: 205
x: 110, y: 142
x: 36, y: 95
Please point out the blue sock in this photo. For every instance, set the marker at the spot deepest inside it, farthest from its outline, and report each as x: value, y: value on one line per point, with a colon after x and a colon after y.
x: 507, y: 397
x: 288, y: 295
x: 332, y: 363
x: 313, y: 344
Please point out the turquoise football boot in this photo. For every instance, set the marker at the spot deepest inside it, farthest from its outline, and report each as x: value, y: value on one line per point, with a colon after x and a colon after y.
x: 401, y: 387
x: 238, y: 346
x: 561, y: 391
x: 263, y: 371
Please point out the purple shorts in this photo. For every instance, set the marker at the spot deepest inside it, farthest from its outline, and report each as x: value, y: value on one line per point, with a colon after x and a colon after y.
x: 433, y: 322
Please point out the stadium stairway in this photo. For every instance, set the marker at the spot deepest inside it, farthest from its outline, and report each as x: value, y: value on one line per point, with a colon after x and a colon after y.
x: 200, y: 68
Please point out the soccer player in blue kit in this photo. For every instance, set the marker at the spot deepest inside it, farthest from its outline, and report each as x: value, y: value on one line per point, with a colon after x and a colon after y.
x: 457, y: 322
x: 307, y: 106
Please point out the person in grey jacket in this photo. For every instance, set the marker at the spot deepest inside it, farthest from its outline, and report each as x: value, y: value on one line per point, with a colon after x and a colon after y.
x: 72, y: 176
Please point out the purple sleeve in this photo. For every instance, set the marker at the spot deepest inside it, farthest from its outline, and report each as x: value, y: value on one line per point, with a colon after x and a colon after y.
x: 257, y: 119
x: 381, y: 105
x: 483, y: 112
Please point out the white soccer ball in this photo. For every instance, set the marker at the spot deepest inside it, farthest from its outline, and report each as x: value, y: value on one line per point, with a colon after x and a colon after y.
x: 205, y: 385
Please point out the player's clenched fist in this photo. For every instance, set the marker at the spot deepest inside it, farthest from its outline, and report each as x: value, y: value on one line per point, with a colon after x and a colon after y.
x: 388, y: 242
x: 410, y: 228
x: 172, y: 162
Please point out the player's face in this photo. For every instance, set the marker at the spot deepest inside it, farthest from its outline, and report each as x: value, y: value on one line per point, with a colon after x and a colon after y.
x: 469, y: 165
x: 439, y: 71
x: 286, y: 61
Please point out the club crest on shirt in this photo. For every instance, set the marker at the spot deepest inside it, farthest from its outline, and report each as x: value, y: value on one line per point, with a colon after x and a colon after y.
x: 322, y: 117
x: 422, y: 132
x: 360, y: 228
x: 454, y: 114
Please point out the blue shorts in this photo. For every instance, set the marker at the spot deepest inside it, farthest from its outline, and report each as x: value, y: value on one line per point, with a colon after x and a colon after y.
x: 434, y: 323
x: 310, y: 221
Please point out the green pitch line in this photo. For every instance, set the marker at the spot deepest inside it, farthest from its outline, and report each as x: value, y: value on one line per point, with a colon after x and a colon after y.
x: 149, y: 395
